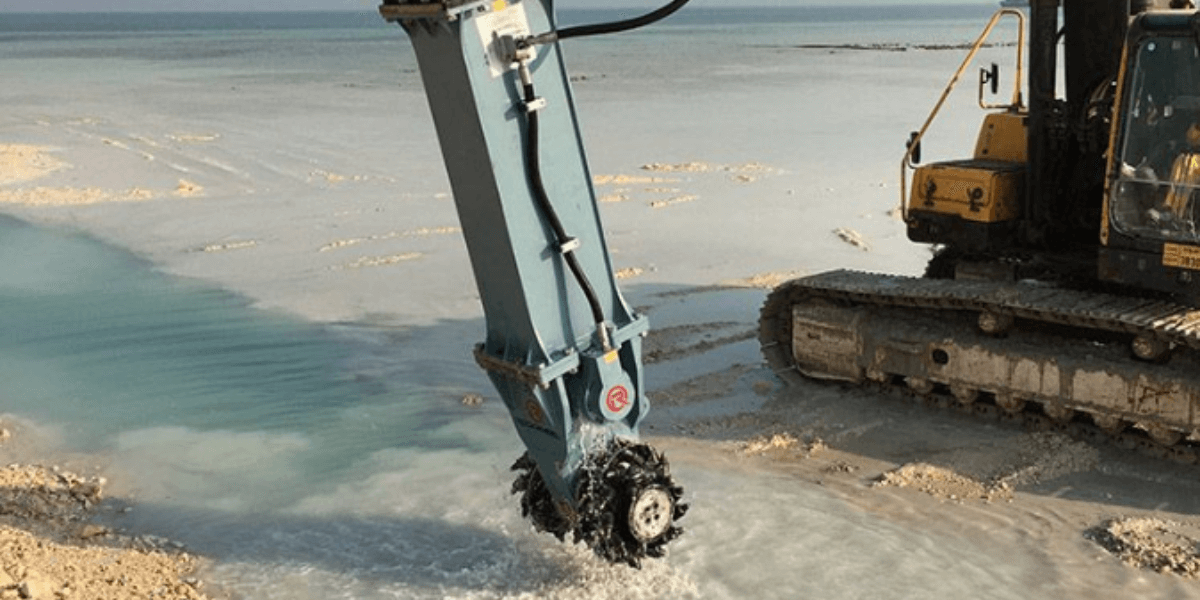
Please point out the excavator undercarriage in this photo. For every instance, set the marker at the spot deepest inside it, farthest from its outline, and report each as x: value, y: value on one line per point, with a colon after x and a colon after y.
x: 1027, y: 351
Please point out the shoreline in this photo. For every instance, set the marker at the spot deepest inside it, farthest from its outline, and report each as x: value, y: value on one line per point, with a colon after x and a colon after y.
x: 55, y: 545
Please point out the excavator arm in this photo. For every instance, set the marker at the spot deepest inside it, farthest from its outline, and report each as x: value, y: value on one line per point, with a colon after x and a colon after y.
x: 563, y: 348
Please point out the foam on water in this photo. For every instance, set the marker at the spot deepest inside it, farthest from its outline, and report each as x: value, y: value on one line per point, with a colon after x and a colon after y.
x: 762, y: 535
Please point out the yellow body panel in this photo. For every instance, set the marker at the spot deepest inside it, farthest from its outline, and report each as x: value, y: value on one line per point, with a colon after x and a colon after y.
x: 1002, y: 138
x: 980, y: 191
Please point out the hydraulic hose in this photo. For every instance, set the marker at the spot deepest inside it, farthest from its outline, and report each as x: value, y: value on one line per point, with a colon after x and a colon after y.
x: 619, y: 26
x: 611, y: 27
x: 566, y: 243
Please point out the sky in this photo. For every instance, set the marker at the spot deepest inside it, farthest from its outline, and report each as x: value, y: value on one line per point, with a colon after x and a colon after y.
x: 243, y: 5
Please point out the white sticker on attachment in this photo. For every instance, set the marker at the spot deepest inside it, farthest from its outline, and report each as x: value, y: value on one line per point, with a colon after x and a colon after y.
x: 506, y: 19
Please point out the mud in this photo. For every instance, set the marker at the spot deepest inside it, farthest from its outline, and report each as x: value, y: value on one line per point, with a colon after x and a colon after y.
x: 671, y: 343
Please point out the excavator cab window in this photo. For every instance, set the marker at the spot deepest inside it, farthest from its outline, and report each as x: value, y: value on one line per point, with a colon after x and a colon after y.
x: 1156, y: 193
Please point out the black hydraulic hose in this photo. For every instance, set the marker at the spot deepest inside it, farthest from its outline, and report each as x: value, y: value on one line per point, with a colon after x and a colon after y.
x: 533, y: 160
x: 566, y: 243
x: 602, y: 28
x: 626, y: 25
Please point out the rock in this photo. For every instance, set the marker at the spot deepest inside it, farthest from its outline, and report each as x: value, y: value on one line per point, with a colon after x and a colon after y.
x: 91, y: 531
x: 853, y: 238
x: 1152, y: 544
x: 37, y: 586
x: 89, y: 488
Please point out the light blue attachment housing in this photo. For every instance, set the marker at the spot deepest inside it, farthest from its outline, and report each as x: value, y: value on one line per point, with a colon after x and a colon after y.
x: 569, y: 393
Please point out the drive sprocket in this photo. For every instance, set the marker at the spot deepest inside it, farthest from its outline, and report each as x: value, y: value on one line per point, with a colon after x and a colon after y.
x: 626, y: 503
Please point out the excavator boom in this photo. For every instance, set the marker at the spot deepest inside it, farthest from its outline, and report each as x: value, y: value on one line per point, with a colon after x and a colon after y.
x: 563, y: 348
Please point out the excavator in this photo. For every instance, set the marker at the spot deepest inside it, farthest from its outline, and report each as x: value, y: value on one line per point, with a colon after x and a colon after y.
x: 1067, y: 271
x: 1062, y: 289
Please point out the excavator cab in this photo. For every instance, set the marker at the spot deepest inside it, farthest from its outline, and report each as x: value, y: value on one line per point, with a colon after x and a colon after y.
x: 1094, y: 186
x: 1151, y: 235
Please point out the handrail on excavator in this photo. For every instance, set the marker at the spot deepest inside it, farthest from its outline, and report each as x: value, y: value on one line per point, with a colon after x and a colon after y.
x: 1016, y: 103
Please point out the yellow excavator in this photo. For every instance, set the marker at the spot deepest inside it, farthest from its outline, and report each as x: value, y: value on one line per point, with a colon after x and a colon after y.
x: 1067, y: 268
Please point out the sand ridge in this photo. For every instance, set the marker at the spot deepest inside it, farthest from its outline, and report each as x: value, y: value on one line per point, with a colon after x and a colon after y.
x: 1153, y: 544
x: 24, y: 163
x: 20, y: 163
x: 671, y: 343
x: 228, y: 246
x: 378, y: 261
x: 51, y: 549
x: 621, y: 188
x: 71, y: 196
x: 391, y: 235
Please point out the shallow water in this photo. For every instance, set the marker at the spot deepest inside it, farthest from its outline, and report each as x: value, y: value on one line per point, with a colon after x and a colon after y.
x: 127, y: 359
x: 335, y: 461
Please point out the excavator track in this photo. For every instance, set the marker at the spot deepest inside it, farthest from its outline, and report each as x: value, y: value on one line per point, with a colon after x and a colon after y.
x: 1093, y: 365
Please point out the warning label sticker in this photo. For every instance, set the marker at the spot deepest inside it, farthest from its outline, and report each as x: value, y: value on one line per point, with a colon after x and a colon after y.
x: 1179, y: 255
x: 506, y: 20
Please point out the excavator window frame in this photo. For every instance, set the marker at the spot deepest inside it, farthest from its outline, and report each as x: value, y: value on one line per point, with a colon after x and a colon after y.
x: 1153, y: 198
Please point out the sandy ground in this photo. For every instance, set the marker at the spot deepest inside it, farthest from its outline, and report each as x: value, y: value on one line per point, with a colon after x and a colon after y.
x: 880, y: 453
x: 1108, y: 519
x: 51, y: 546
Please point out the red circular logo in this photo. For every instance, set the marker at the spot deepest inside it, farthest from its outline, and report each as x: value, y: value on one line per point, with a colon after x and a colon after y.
x: 617, y: 399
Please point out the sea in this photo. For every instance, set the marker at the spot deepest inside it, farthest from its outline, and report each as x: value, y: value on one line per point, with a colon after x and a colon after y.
x: 323, y: 460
